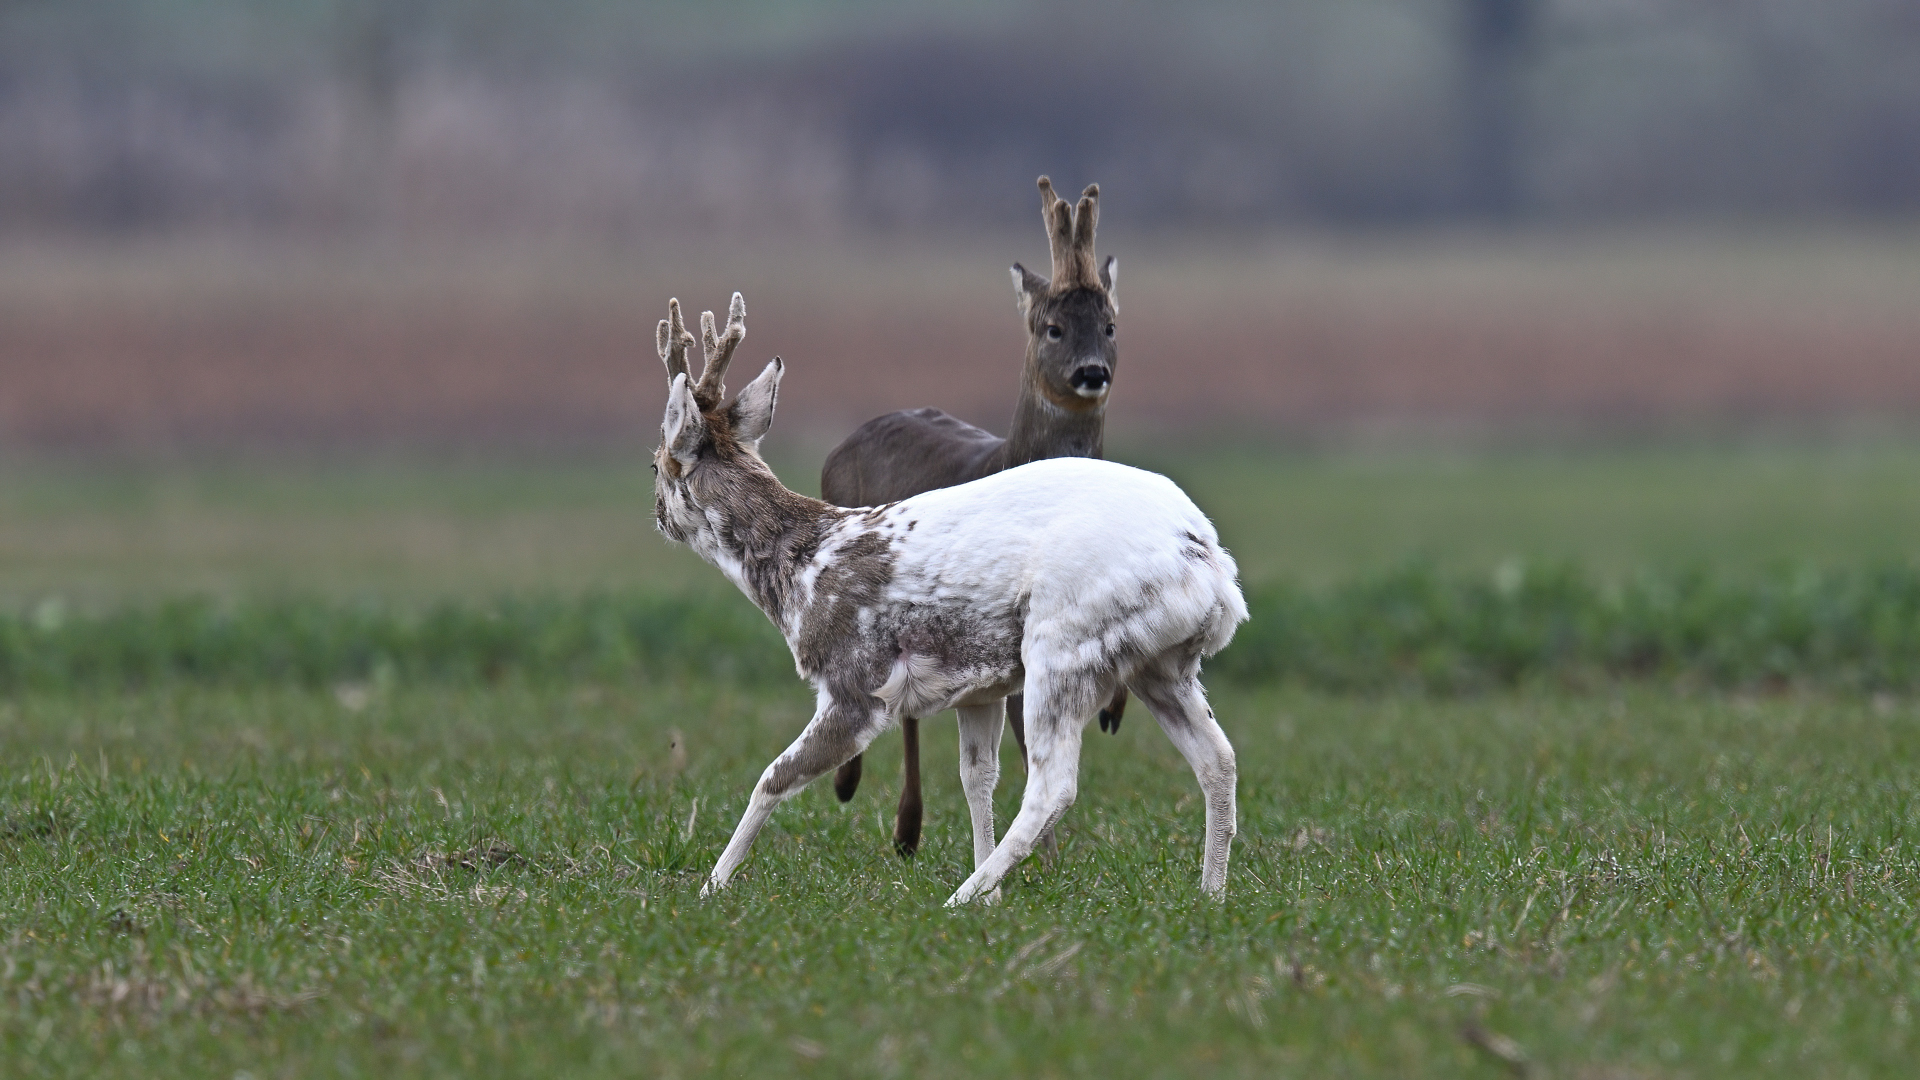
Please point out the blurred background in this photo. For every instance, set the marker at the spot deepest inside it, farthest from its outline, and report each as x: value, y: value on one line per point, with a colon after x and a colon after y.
x: 261, y: 259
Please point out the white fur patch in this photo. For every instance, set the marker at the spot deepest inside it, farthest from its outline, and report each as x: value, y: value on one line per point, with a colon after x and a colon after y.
x: 915, y: 685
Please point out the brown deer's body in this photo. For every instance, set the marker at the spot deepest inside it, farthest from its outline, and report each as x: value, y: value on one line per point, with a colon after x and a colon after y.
x: 1061, y: 412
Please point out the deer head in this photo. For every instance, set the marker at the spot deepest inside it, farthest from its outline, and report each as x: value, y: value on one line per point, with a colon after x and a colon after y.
x: 1070, y: 314
x: 703, y: 443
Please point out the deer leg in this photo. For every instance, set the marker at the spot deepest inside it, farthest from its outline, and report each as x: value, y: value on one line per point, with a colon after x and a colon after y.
x: 1117, y: 708
x: 980, y: 727
x: 847, y: 780
x: 1180, y: 705
x: 1049, y: 847
x: 830, y: 738
x: 1016, y: 719
x: 1053, y: 772
x: 906, y: 819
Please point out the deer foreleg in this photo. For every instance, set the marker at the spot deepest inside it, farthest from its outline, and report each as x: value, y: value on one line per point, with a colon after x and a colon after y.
x: 830, y: 738
x: 980, y: 727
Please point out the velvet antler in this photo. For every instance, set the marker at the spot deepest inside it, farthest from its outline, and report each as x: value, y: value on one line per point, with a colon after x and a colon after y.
x: 1070, y: 235
x: 672, y: 339
x: 718, y: 348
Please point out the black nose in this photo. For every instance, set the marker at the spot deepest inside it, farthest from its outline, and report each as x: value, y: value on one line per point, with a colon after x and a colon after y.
x: 1091, y: 377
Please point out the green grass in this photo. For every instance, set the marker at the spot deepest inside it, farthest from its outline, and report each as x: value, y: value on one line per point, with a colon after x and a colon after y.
x: 98, y: 536
x: 1413, y: 629
x: 488, y: 881
x: 424, y: 530
x: 1326, y: 517
x: 361, y: 817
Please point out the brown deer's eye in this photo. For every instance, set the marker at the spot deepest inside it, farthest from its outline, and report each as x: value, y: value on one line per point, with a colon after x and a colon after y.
x: 1109, y: 329
x: 1054, y: 333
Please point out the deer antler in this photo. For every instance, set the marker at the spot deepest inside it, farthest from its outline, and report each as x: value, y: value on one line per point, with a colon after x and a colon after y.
x: 1070, y: 235
x: 672, y: 339
x: 718, y: 349
x: 1085, y: 217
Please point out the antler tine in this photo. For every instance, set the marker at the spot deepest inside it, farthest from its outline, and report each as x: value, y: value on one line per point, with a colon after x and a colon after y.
x: 719, y: 348
x: 1057, y: 215
x: 1085, y: 217
x: 672, y: 339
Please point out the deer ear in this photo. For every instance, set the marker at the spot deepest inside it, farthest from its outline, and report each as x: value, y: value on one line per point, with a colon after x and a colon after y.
x: 1109, y: 272
x: 752, y: 411
x: 684, y: 428
x: 1027, y: 285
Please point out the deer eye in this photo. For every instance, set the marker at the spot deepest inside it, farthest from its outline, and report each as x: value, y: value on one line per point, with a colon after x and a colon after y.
x: 1054, y: 333
x: 1109, y: 329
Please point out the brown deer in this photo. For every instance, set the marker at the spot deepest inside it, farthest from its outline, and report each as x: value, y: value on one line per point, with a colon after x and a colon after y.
x: 1061, y: 412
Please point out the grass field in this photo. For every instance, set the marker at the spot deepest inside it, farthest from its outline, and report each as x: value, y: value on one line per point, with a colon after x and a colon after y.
x: 472, y: 877
x: 474, y: 882
x: 103, y: 534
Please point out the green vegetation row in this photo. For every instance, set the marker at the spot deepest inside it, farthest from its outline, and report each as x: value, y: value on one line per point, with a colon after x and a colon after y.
x: 1411, y: 629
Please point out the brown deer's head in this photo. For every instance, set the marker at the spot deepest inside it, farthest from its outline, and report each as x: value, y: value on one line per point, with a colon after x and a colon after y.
x: 1070, y: 315
x: 702, y: 443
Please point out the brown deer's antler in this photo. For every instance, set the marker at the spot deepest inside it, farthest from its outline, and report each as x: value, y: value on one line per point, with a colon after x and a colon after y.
x: 1070, y: 235
x: 1085, y: 217
x: 672, y: 339
x: 1057, y: 217
x: 718, y: 349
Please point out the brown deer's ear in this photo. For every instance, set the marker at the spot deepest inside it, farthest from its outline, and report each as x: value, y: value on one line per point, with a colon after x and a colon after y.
x: 684, y: 429
x: 752, y: 412
x: 1109, y: 271
x: 1028, y: 286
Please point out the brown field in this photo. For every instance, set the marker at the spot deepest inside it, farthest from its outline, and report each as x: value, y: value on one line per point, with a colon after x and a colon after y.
x: 203, y: 344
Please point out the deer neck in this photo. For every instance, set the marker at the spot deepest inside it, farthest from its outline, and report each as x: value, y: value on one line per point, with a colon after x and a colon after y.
x: 759, y: 534
x: 1046, y: 428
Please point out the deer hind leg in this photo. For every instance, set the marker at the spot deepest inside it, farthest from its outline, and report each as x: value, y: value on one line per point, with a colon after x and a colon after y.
x: 906, y: 819
x: 830, y: 738
x: 980, y: 727
x: 1116, y: 709
x: 1057, y: 712
x: 847, y: 780
x: 1016, y: 719
x: 1180, y: 706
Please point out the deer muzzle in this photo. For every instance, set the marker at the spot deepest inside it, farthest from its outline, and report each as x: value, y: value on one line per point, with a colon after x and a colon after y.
x: 1091, y: 380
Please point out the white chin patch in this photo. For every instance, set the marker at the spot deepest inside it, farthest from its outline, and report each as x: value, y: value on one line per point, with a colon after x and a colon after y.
x: 1090, y: 393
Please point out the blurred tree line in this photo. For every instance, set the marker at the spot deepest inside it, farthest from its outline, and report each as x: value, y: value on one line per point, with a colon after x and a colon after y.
x: 601, y: 116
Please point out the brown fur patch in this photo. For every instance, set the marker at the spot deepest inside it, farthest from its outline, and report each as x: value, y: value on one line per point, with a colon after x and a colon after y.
x: 861, y: 570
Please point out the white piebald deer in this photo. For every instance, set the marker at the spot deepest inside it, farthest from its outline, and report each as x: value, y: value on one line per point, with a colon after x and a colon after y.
x: 1061, y: 412
x: 1064, y: 578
